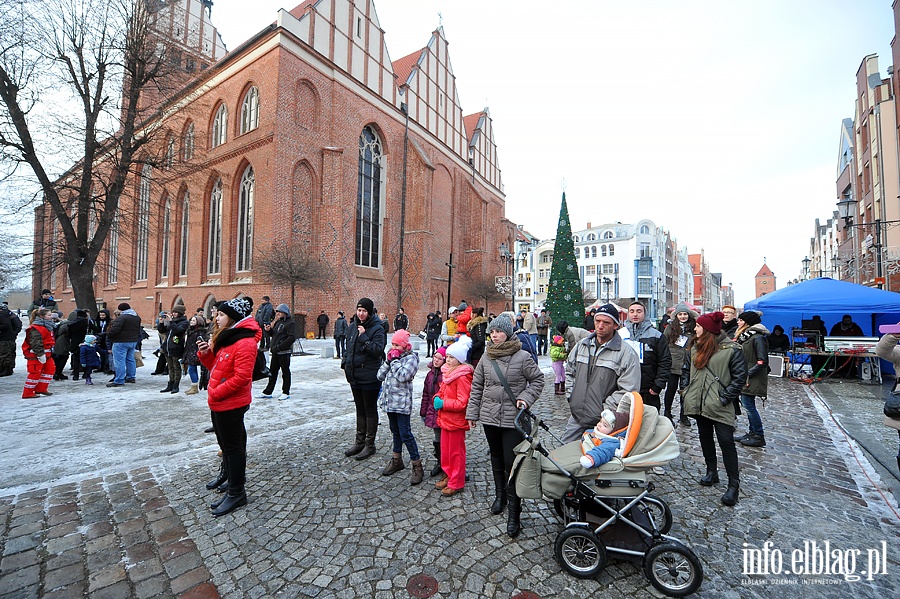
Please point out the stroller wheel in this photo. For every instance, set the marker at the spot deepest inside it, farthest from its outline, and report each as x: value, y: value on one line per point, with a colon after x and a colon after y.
x: 580, y: 552
x: 659, y: 510
x: 673, y: 569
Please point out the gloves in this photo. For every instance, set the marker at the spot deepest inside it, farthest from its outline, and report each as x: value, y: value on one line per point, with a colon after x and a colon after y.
x: 42, y: 358
x: 587, y: 461
x: 393, y: 354
x: 438, y: 403
x: 725, y: 400
x: 562, y: 326
x: 84, y: 365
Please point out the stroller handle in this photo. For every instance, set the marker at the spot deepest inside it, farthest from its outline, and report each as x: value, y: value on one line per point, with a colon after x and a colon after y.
x: 525, y: 430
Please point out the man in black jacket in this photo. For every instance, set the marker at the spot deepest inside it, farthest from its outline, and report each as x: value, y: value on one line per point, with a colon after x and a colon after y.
x: 401, y: 321
x: 653, y: 354
x: 284, y: 333
x: 174, y: 326
x: 78, y: 328
x: 322, y: 321
x: 340, y: 335
x: 10, y: 325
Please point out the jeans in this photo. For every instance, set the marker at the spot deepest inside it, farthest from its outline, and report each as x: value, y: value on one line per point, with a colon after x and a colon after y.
x: 340, y: 345
x: 749, y: 403
x: 123, y: 359
x: 542, y: 344
x: 192, y: 372
x: 534, y: 340
x: 402, y: 432
x: 725, y: 435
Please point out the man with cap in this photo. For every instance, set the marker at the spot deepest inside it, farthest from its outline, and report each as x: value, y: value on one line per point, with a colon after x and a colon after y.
x: 600, y: 369
x: 401, y: 321
x: 174, y: 326
x: 45, y: 301
x: 124, y: 335
x: 653, y: 353
x: 340, y: 335
x: 322, y: 322
x: 284, y: 332
x: 449, y: 332
x: 264, y: 315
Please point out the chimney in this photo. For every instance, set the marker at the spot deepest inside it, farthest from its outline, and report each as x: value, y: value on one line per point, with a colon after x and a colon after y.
x: 589, y: 225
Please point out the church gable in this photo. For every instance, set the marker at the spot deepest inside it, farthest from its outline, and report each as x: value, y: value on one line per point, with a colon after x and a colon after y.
x: 765, y: 271
x: 483, y: 147
x: 348, y: 34
x: 429, y: 91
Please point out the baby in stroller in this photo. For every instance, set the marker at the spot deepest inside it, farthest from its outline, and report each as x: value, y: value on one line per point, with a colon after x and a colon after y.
x: 604, y: 441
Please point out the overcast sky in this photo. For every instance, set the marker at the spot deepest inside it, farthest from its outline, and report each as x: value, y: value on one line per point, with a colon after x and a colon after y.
x: 719, y: 120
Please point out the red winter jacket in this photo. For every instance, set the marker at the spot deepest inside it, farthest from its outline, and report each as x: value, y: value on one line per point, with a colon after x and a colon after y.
x: 462, y: 321
x: 456, y: 387
x: 230, y: 366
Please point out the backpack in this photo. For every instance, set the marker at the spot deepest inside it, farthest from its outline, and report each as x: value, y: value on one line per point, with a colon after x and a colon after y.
x: 527, y: 344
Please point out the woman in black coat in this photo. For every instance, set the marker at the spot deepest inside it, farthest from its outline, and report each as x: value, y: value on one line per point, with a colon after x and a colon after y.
x: 364, y: 355
x: 432, y: 332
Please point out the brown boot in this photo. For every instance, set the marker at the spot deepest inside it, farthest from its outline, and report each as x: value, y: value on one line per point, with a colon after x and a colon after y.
x: 418, y: 472
x: 562, y: 388
x: 395, y: 465
x: 441, y: 484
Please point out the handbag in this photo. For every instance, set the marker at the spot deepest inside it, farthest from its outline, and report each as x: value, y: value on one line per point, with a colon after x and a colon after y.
x: 892, y: 405
x: 526, y: 425
x: 260, y: 368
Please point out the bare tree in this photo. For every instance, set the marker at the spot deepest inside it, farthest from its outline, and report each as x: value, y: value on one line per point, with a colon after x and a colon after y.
x: 484, y: 288
x: 75, y: 76
x: 292, y: 265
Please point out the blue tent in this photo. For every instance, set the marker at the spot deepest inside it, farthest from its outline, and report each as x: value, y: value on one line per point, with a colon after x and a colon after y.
x: 830, y: 299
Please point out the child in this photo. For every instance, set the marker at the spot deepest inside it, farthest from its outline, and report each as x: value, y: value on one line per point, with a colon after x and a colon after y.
x: 89, y: 357
x: 38, y: 350
x: 426, y: 410
x: 451, y: 403
x: 398, y: 373
x: 558, y: 355
x: 599, y: 444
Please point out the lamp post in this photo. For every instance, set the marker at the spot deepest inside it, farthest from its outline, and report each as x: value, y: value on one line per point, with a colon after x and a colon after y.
x: 846, y: 210
x: 606, y: 283
x: 806, y: 262
x: 508, y: 258
x: 405, y: 110
x: 450, y: 266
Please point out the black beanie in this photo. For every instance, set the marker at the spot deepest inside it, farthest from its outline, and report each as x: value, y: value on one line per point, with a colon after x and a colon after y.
x: 367, y: 305
x: 750, y: 317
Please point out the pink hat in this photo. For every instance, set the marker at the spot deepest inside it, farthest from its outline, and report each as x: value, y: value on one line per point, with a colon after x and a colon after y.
x: 442, y: 350
x: 401, y: 338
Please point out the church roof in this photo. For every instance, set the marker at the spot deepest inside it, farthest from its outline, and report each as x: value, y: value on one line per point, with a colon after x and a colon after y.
x: 765, y: 271
x: 471, y: 123
x: 404, y: 66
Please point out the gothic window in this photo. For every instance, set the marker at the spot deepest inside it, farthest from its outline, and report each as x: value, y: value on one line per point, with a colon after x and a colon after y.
x: 368, y: 200
x: 112, y: 272
x: 185, y: 220
x: 214, y: 248
x: 187, y: 143
x: 170, y: 153
x: 164, y: 267
x: 250, y: 110
x: 220, y: 127
x: 143, y: 225
x: 245, y: 221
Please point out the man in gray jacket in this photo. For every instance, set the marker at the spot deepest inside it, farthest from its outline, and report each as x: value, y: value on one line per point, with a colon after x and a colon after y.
x: 600, y: 370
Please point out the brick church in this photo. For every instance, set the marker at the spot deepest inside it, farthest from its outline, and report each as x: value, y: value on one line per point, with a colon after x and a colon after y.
x: 294, y: 142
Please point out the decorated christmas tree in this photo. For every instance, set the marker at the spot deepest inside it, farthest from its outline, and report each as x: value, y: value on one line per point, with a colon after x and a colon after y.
x: 564, y: 297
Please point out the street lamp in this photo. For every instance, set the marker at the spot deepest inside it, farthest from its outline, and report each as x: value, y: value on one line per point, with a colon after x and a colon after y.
x: 606, y: 283
x: 806, y: 262
x: 508, y: 258
x: 846, y: 210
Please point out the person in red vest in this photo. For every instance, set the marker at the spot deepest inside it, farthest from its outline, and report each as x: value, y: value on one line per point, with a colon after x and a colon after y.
x: 37, y: 348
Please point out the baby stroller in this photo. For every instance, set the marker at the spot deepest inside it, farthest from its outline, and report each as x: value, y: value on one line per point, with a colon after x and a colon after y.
x: 610, y: 509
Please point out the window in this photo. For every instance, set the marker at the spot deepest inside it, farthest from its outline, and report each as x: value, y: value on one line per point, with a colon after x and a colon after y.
x: 593, y: 251
x: 591, y: 237
x: 607, y: 235
x: 170, y: 154
x: 591, y: 287
x: 250, y: 110
x: 547, y: 258
x: 575, y: 238
x: 645, y: 230
x: 541, y: 289
x: 245, y: 221
x: 602, y: 250
x: 577, y: 253
x: 112, y: 273
x: 644, y: 286
x: 220, y: 127
x: 143, y: 225
x: 590, y: 271
x: 645, y: 249
x: 185, y: 219
x: 645, y: 268
x: 368, y: 200
x: 214, y: 248
x: 187, y: 143
x: 612, y: 250
x: 607, y: 269
x: 164, y: 267
x: 528, y: 277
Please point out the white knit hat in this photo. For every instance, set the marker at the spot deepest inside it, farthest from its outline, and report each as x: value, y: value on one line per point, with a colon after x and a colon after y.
x: 460, y: 349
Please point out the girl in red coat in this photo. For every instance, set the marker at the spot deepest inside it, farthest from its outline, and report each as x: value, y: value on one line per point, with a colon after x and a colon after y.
x: 230, y: 356
x: 451, y: 403
x: 36, y: 348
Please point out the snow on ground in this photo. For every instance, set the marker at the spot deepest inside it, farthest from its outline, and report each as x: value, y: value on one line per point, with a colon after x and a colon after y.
x: 83, y: 431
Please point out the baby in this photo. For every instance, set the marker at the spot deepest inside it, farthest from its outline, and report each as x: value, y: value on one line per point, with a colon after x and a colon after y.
x: 598, y: 444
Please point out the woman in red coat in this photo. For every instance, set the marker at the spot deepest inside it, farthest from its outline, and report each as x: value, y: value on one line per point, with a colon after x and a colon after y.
x: 230, y: 356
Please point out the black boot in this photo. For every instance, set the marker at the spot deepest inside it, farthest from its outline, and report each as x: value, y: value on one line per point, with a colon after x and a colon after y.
x: 371, y: 430
x: 168, y: 388
x: 513, y: 511
x: 220, y: 478
x: 175, y: 387
x: 360, y: 442
x: 731, y: 495
x: 236, y: 496
x: 711, y: 478
x: 499, y: 492
x: 437, y: 454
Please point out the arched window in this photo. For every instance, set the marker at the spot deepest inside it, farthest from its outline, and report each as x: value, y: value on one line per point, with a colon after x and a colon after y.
x: 645, y: 230
x: 607, y: 235
x: 602, y: 250
x: 368, y: 200
x: 220, y: 127
x: 170, y: 154
x: 591, y: 237
x: 245, y: 221
x: 164, y: 267
x: 250, y: 110
x: 612, y: 250
x: 187, y: 143
x: 575, y: 238
x: 185, y: 220
x: 143, y: 225
x: 112, y: 272
x: 214, y: 248
x: 593, y: 251
x: 577, y: 253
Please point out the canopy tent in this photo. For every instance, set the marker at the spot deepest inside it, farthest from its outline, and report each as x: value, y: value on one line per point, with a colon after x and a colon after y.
x: 830, y: 299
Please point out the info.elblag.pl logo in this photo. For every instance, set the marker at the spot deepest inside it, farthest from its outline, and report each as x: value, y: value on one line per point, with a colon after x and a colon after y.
x: 815, y: 558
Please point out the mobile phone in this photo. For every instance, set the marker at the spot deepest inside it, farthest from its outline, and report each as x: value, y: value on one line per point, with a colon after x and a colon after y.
x: 889, y: 329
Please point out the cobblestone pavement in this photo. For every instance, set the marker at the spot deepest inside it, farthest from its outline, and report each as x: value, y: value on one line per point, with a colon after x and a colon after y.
x: 321, y: 525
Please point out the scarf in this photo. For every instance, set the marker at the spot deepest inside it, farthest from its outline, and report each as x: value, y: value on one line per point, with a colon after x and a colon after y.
x: 507, y: 348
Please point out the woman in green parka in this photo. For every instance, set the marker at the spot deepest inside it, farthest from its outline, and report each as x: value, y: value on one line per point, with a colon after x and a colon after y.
x: 713, y: 387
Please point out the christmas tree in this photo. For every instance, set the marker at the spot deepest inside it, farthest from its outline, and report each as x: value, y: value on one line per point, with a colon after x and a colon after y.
x: 564, y: 297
